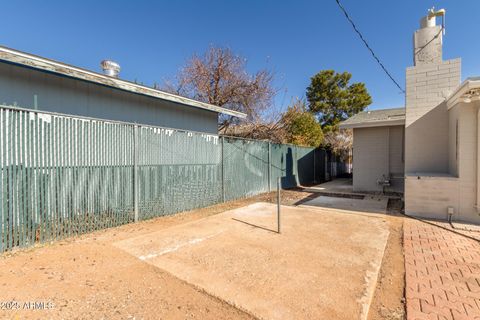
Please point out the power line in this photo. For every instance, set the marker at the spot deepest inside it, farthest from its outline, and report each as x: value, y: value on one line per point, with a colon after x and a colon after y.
x: 368, y: 47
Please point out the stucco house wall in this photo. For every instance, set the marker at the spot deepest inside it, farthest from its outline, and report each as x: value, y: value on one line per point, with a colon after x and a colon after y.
x: 463, y: 152
x: 453, y: 127
x: 397, y: 156
x: 430, y: 196
x: 430, y: 186
x: 55, y: 93
x: 377, y: 151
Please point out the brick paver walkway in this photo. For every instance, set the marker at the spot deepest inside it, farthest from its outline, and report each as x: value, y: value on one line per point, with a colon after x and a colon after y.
x: 442, y: 273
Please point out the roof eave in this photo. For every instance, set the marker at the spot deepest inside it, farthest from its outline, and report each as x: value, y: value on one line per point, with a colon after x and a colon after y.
x: 460, y: 94
x: 43, y: 64
x: 370, y: 124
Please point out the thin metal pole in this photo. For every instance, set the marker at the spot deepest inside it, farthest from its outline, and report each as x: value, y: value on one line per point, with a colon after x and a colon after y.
x: 269, y: 166
x: 135, y: 179
x: 223, y: 169
x: 279, y: 188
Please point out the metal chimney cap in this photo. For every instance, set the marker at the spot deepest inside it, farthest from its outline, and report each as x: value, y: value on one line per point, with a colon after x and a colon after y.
x: 110, y: 68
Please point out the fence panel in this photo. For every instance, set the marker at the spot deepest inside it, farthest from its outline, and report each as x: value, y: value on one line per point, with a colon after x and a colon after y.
x: 246, y: 167
x: 305, y: 165
x: 284, y: 165
x: 320, y: 165
x: 61, y: 176
x: 177, y: 171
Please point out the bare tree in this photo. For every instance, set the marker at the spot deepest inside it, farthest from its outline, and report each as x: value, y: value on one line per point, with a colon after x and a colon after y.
x: 340, y: 142
x: 296, y: 125
x: 272, y: 126
x: 219, y: 77
x: 259, y: 130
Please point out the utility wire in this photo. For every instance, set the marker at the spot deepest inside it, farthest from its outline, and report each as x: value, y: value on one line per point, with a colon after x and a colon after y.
x: 367, y: 45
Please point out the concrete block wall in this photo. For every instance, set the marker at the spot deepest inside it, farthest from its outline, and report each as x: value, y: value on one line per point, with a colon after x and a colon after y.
x: 432, y: 145
x: 428, y: 85
x: 377, y: 151
x: 440, y: 144
x: 426, y: 124
x: 397, y: 158
x: 396, y: 150
x: 430, y: 196
x: 370, y: 148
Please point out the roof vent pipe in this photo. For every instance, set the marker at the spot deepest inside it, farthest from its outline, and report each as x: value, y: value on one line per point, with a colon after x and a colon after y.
x: 110, y: 68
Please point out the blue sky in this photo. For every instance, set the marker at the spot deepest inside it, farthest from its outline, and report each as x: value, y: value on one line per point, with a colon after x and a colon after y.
x: 152, y: 39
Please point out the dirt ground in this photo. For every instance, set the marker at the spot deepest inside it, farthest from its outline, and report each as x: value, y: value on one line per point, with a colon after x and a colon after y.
x: 388, y: 302
x: 88, y: 278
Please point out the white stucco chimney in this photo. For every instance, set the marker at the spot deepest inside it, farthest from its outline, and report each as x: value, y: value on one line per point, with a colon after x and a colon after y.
x: 427, y: 41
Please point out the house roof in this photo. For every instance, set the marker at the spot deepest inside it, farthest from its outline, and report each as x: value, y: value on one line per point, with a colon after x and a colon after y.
x: 375, y: 118
x: 46, y: 65
x: 467, y: 92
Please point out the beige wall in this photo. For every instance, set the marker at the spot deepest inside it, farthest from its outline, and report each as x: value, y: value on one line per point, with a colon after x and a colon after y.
x: 426, y: 133
x: 453, y: 118
x: 430, y: 196
x: 377, y: 151
x: 464, y: 164
x: 437, y: 177
x: 427, y: 142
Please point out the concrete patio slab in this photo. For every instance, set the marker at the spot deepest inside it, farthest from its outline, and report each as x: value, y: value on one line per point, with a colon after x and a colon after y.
x: 324, y: 264
x: 374, y: 204
x: 339, y: 185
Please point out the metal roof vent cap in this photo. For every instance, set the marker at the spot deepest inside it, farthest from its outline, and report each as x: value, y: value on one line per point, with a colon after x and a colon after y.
x: 110, y: 68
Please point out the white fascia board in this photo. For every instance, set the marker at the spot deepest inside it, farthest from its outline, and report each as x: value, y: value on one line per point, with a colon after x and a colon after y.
x: 371, y: 124
x: 458, y: 95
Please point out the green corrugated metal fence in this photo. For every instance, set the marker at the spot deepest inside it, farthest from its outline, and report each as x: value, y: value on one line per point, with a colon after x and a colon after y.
x: 63, y: 175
